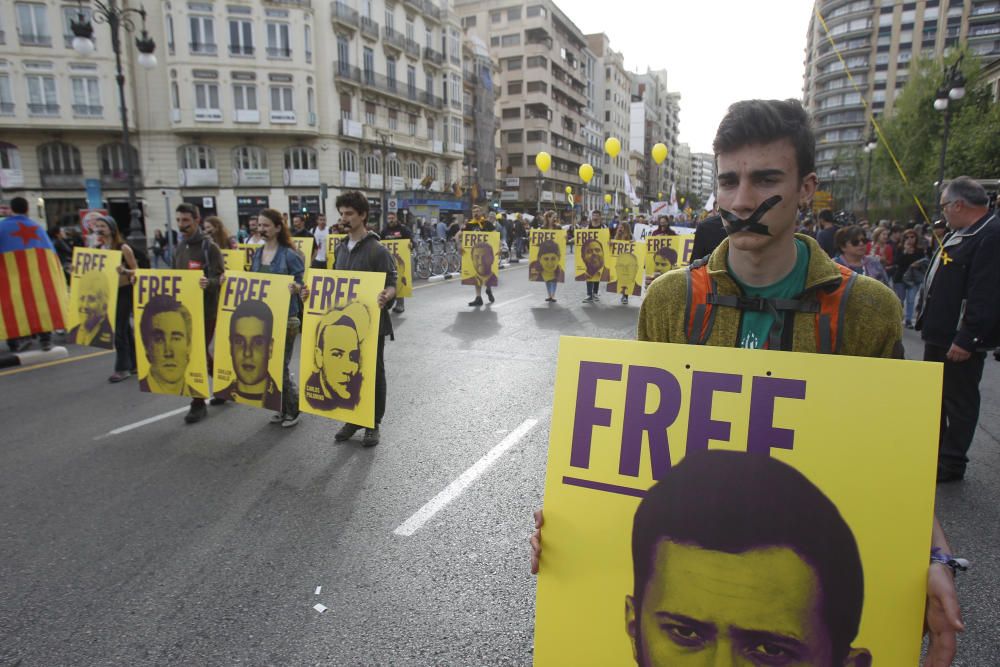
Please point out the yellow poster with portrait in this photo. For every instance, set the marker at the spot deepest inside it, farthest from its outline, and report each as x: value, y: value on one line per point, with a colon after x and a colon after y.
x: 332, y: 241
x: 304, y: 245
x: 400, y: 251
x: 590, y: 264
x: 248, y: 250
x: 664, y: 253
x: 234, y: 260
x: 627, y: 260
x: 93, y: 297
x: 547, y: 255
x: 480, y: 258
x: 250, y: 338
x: 340, y: 329
x: 705, y: 501
x: 169, y: 315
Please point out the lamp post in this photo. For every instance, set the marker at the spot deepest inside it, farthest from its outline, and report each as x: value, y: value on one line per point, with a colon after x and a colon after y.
x: 833, y: 187
x: 385, y: 154
x: 869, y: 148
x: 117, y: 18
x: 953, y: 88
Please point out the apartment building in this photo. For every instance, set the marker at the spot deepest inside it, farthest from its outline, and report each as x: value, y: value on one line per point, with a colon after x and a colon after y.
x: 253, y: 103
x: 653, y: 122
x: 683, y: 163
x: 875, y: 41
x: 702, y: 175
x: 480, y: 124
x: 614, y: 102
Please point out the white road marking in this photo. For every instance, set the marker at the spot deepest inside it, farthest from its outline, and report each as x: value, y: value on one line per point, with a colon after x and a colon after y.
x: 464, y: 481
x: 507, y: 303
x: 140, y: 424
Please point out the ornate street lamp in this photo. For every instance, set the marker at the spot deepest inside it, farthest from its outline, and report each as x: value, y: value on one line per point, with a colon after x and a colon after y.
x: 118, y: 18
x: 953, y: 88
x: 869, y: 148
x: 833, y: 187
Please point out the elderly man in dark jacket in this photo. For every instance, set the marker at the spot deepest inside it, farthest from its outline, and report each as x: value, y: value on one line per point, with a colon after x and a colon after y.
x: 959, y: 315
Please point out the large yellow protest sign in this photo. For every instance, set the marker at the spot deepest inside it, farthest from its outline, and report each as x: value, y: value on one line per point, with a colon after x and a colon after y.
x: 664, y: 253
x: 248, y: 252
x: 480, y: 258
x: 93, y: 297
x: 250, y: 338
x: 547, y: 255
x: 591, y: 255
x: 627, y: 259
x: 701, y: 500
x: 304, y: 244
x: 169, y: 312
x: 400, y: 251
x: 340, y: 331
x: 332, y: 241
x: 234, y: 260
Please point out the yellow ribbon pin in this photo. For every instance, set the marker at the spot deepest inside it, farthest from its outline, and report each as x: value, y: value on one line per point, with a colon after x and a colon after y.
x: 945, y: 258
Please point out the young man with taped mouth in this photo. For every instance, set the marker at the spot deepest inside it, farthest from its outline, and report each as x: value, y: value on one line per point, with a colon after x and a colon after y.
x: 767, y: 287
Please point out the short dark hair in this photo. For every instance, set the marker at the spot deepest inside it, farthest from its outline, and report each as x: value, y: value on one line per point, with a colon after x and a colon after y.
x: 847, y: 234
x: 826, y: 215
x: 355, y: 200
x: 253, y: 308
x: 962, y: 188
x: 190, y: 209
x: 19, y: 205
x: 735, y: 502
x: 161, y: 303
x: 765, y: 121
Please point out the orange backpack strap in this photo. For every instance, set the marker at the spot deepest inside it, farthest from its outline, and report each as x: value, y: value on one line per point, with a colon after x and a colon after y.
x: 830, y: 318
x: 699, y: 315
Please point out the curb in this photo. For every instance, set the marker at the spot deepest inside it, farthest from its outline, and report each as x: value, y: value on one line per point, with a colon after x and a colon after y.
x: 31, y: 357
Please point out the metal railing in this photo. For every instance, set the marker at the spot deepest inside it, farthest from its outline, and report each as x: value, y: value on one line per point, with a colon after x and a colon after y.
x: 384, y: 84
x: 88, y: 110
x: 240, y: 50
x: 433, y: 57
x: 7, y: 108
x: 342, y: 13
x: 208, y: 49
x: 283, y: 52
x: 369, y: 27
x: 37, y: 109
x: 393, y: 38
x: 31, y: 39
x: 412, y: 48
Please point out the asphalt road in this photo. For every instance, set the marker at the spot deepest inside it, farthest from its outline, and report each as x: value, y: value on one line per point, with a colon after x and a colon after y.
x: 170, y: 544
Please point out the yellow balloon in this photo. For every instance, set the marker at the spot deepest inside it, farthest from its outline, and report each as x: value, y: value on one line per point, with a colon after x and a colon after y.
x: 659, y: 153
x: 612, y: 147
x: 659, y: 195
x: 569, y: 189
x: 586, y: 172
x: 543, y: 161
x: 499, y: 216
x: 607, y: 199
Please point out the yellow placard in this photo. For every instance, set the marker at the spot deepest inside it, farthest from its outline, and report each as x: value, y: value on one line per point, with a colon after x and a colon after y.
x: 627, y: 259
x: 400, y: 251
x: 547, y: 255
x: 93, y: 297
x: 248, y: 252
x: 480, y: 258
x: 664, y: 253
x: 169, y: 315
x: 332, y: 241
x: 590, y: 263
x: 304, y: 245
x: 785, y: 507
x: 235, y: 260
x: 250, y: 338
x: 340, y: 331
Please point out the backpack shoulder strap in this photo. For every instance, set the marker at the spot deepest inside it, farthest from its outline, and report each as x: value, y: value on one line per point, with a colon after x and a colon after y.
x: 699, y: 314
x: 830, y: 317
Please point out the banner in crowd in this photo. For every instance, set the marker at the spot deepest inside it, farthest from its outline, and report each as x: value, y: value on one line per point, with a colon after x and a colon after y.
x: 339, y: 345
x: 248, y: 250
x: 627, y: 259
x: 331, y: 246
x: 591, y: 255
x: 480, y: 258
x: 169, y: 315
x: 400, y: 251
x: 305, y: 247
x: 234, y: 260
x: 93, y: 297
x: 250, y: 338
x: 664, y: 253
x: 547, y: 255
x: 32, y: 280
x: 701, y: 499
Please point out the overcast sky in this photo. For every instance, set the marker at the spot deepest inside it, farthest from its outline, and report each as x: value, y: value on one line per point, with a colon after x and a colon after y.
x: 715, y: 51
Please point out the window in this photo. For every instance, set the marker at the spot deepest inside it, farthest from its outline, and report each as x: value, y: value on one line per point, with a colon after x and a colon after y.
x: 277, y: 40
x: 411, y: 81
x: 514, y: 87
x: 495, y: 40
x: 366, y: 9
x: 413, y: 170
x: 6, y: 95
x: 514, y: 136
x: 311, y: 105
x: 453, y: 47
x: 410, y: 29
x: 537, y: 87
x: 369, y: 65
x: 411, y: 126
x: 307, y: 43
x: 170, y: 34
x: 197, y: 156
x: 206, y: 102
x: 456, y: 131
x: 514, y: 63
x: 390, y: 19
x: 515, y: 160
x: 513, y: 13
x: 343, y: 53
x: 348, y: 161
x: 537, y: 135
x: 393, y: 119
x: 249, y: 157
x: 393, y: 168
x: 202, y: 34
x: 10, y: 157
x: 245, y: 96
x: 70, y: 16
x: 456, y: 90
x: 431, y: 171
x: 175, y: 97
x: 430, y: 130
x: 369, y: 113
x: 282, y: 105
x: 86, y: 96
x: 345, y: 107
x: 240, y: 37
x: 511, y: 40
x: 428, y: 38
x: 535, y: 10
x: 33, y: 24
x: 300, y: 158
x: 59, y: 159
x: 496, y: 16
x: 511, y: 113
x: 390, y: 72
x: 537, y: 61
x: 111, y: 158
x: 428, y: 82
x: 42, y: 100
x: 469, y: 22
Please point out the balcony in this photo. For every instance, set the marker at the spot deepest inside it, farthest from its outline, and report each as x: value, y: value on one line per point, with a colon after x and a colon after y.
x: 468, y: 110
x: 240, y: 50
x: 208, y: 115
x: 248, y: 178
x: 394, y: 40
x: 344, y: 72
x: 279, y: 52
x: 350, y: 179
x: 351, y: 128
x: 432, y: 57
x: 11, y: 178
x: 198, y: 178
x: 432, y: 10
x: 301, y: 178
x: 343, y: 15
x: 51, y: 179
x: 198, y: 48
x: 31, y: 39
x: 415, y: 5
x: 470, y: 76
x: 369, y: 29
x: 6, y: 108
x: 374, y: 181
x: 412, y: 49
x: 305, y: 4
x: 35, y: 109
x: 282, y: 117
x: 88, y: 110
x: 119, y: 178
x: 246, y: 116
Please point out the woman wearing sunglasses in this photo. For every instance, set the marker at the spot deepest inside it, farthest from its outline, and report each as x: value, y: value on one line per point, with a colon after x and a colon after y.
x: 852, y: 244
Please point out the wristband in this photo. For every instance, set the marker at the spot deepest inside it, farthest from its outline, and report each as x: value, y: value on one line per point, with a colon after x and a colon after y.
x: 953, y: 563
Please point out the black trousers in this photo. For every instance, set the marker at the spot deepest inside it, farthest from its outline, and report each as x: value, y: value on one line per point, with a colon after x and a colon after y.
x: 124, y: 334
x: 959, y: 406
x: 380, y: 386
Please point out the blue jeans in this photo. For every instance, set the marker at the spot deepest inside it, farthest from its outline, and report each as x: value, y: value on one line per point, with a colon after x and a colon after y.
x: 908, y: 297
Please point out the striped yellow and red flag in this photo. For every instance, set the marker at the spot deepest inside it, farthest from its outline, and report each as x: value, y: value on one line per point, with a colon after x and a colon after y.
x: 32, y: 284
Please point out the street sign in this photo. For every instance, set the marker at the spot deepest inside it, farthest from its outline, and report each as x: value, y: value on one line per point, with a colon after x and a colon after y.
x: 392, y: 205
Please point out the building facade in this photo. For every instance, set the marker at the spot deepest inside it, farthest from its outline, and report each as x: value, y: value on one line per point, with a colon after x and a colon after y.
x: 683, y: 169
x: 252, y: 104
x: 702, y: 175
x: 613, y: 107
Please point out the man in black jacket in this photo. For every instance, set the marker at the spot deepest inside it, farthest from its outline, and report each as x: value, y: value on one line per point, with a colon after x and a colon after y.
x: 362, y: 252
x: 707, y: 236
x: 959, y: 315
x: 827, y: 232
x: 394, y: 231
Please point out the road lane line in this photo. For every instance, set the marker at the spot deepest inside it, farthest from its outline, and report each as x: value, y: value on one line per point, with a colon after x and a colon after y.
x: 464, y: 481
x: 510, y: 301
x: 144, y: 422
x: 46, y: 364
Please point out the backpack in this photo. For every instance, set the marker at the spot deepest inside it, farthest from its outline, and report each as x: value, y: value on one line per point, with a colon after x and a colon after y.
x: 703, y: 298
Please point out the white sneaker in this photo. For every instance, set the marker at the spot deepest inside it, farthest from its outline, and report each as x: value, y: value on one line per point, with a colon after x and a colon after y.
x: 291, y: 421
x: 277, y: 418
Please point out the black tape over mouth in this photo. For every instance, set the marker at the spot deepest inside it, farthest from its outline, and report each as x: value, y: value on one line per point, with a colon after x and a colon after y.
x: 735, y: 223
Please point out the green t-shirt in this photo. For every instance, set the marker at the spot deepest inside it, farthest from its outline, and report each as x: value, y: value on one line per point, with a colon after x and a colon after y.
x: 756, y: 325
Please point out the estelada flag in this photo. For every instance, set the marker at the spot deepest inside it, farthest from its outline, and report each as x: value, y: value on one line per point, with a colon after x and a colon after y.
x: 32, y: 283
